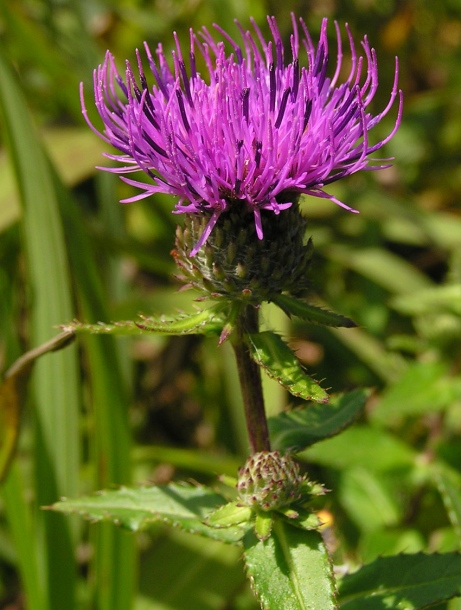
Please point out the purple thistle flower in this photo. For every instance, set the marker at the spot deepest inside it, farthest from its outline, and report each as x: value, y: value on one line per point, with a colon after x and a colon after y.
x: 256, y: 132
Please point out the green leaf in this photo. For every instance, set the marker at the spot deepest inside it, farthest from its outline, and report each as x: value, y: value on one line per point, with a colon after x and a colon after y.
x: 390, y: 541
x: 423, y: 387
x: 361, y: 445
x: 183, y: 506
x: 22, y: 529
x: 410, y: 582
x: 302, y: 518
x: 431, y: 300
x: 448, y: 482
x: 114, y: 562
x: 298, y: 429
x: 369, y: 499
x: 204, y: 322
x: 55, y: 383
x: 310, y: 313
x: 372, y: 353
x: 42, y: 50
x: 280, y: 363
x: 382, y: 267
x: 290, y: 570
x: 229, y: 514
x: 263, y: 525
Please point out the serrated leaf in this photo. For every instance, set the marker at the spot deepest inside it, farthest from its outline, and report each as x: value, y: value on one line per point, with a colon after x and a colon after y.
x: 12, y: 392
x: 290, y: 570
x: 310, y: 313
x: 204, y: 322
x: 410, y: 582
x: 298, y: 429
x: 280, y: 363
x: 183, y: 506
x: 123, y: 327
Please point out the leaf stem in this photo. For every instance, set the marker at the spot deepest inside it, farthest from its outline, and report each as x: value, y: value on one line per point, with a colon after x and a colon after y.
x: 250, y: 380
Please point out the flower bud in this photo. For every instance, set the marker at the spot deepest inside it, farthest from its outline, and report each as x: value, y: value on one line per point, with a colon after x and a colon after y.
x: 269, y: 481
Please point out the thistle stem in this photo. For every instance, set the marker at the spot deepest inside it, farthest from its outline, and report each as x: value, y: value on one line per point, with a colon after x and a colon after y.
x: 250, y: 381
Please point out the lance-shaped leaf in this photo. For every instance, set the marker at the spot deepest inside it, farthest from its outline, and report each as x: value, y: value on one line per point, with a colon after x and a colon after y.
x: 182, y: 506
x: 205, y: 322
x: 280, y: 363
x: 290, y: 569
x: 295, y: 430
x: 310, y: 313
x: 404, y: 581
x: 12, y: 393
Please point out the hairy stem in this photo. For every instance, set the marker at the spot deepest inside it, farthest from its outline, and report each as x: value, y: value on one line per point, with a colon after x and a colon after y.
x: 250, y: 381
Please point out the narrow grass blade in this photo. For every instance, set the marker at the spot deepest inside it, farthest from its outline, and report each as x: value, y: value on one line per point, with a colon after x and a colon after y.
x: 55, y: 382
x: 41, y: 50
x: 114, y: 564
x: 22, y: 528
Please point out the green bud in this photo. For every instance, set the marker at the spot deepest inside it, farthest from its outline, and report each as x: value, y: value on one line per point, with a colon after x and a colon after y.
x: 269, y: 481
x: 235, y: 263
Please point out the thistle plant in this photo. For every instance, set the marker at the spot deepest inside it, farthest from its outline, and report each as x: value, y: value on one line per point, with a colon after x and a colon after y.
x: 239, y: 137
x: 241, y: 134
x: 237, y: 148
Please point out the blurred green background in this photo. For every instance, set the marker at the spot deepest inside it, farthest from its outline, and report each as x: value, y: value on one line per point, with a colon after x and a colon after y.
x: 108, y: 412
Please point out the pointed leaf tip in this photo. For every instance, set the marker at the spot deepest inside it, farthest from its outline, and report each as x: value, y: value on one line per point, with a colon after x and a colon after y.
x: 184, y: 506
x: 205, y: 322
x: 280, y: 363
x: 311, y: 313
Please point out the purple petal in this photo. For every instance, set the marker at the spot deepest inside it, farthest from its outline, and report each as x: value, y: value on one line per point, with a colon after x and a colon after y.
x: 261, y: 126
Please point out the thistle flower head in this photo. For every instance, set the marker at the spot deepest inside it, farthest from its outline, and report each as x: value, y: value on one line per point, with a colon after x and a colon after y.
x: 256, y: 131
